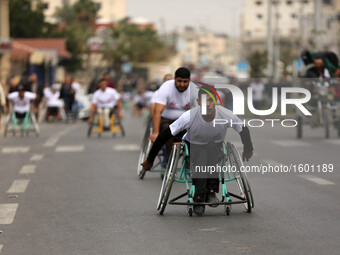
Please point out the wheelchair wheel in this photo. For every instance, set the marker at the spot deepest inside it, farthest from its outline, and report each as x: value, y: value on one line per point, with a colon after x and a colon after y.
x: 299, y: 127
x: 35, y: 124
x: 94, y: 123
x: 145, y: 147
x: 241, y: 179
x: 8, y: 120
x: 89, y: 131
x: 169, y: 178
x: 120, y: 125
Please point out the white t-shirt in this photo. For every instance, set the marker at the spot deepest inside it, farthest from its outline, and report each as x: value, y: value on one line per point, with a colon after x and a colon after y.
x: 201, y: 132
x: 258, y: 89
x: 148, y: 97
x: 52, y: 99
x: 21, y: 105
x: 106, y: 99
x: 154, y: 97
x: 176, y: 103
x: 76, y: 87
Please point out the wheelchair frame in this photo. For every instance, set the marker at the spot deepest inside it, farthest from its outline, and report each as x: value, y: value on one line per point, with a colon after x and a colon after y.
x: 25, y: 124
x: 180, y: 150
x: 97, y: 125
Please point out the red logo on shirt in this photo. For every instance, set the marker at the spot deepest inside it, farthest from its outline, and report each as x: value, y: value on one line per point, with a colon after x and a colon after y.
x: 187, y: 106
x: 172, y: 104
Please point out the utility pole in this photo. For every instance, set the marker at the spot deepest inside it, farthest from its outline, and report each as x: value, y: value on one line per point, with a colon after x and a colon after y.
x: 4, y: 40
x: 301, y: 25
x: 269, y: 39
x: 318, y: 24
x: 276, y: 41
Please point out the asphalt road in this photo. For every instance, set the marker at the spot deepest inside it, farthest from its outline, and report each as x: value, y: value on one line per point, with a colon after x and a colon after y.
x: 62, y: 193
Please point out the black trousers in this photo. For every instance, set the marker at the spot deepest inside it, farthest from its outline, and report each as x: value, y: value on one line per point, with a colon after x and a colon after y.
x: 201, y: 158
x: 165, y: 123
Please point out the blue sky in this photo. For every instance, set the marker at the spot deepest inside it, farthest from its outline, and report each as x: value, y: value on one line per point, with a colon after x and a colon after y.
x: 218, y: 15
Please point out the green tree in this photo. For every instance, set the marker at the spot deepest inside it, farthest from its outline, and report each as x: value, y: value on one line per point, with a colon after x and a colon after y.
x: 135, y: 44
x: 78, y: 26
x: 28, y: 22
x: 85, y: 11
x: 65, y: 14
x: 258, y: 62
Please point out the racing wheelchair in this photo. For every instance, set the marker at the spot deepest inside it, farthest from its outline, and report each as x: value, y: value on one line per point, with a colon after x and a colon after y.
x: 97, y: 126
x: 234, y: 176
x: 146, y: 145
x: 26, y: 124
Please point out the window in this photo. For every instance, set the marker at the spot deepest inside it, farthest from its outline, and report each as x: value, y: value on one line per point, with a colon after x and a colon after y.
x: 289, y: 2
x: 294, y: 16
x: 259, y: 16
x: 328, y: 2
x: 258, y: 2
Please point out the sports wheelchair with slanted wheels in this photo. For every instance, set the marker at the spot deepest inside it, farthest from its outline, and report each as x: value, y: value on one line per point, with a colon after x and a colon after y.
x: 233, y: 175
x: 97, y: 127
x: 26, y: 124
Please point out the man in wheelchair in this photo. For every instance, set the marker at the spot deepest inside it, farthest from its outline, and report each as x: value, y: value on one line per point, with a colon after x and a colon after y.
x: 205, y: 140
x: 21, y: 102
x: 105, y: 101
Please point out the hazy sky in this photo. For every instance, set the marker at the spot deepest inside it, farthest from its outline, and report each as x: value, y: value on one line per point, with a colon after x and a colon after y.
x: 217, y: 15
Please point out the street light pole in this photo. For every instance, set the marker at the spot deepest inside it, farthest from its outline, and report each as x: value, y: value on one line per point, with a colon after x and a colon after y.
x: 269, y: 39
x: 318, y: 24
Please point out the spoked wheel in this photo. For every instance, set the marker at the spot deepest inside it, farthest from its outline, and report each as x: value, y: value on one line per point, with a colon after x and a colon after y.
x: 241, y: 179
x: 8, y: 121
x: 325, y: 120
x: 299, y: 127
x: 145, y: 147
x: 35, y: 125
x: 169, y: 178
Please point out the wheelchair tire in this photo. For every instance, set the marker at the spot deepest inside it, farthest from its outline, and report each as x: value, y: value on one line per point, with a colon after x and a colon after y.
x: 145, y: 147
x: 8, y: 120
x: 241, y: 178
x: 325, y: 117
x: 169, y: 178
x: 299, y: 127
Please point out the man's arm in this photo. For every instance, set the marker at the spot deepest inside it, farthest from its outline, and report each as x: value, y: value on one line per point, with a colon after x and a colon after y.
x: 247, y: 144
x: 119, y: 108
x: 156, y: 121
x: 92, y: 110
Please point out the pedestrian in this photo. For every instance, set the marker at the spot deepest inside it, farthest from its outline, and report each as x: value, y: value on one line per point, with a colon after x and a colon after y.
x: 68, y: 95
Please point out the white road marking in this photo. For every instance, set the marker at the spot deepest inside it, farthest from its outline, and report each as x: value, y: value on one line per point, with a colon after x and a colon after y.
x: 51, y: 141
x: 1, y: 245
x: 291, y: 143
x: 55, y: 138
x: 37, y: 157
x: 7, y: 213
x: 70, y: 148
x: 9, y: 150
x: 271, y: 162
x: 208, y: 229
x: 334, y: 142
x: 317, y: 180
x: 126, y: 147
x: 28, y: 169
x: 18, y: 186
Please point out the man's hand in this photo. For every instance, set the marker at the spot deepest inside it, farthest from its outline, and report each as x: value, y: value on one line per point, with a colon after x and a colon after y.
x: 153, y: 137
x: 120, y: 115
x: 247, y: 155
x: 146, y: 165
x: 90, y: 120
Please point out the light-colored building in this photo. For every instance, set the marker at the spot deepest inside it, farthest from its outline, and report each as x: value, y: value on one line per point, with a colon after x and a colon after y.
x: 204, y: 48
x: 290, y: 20
x: 109, y: 10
